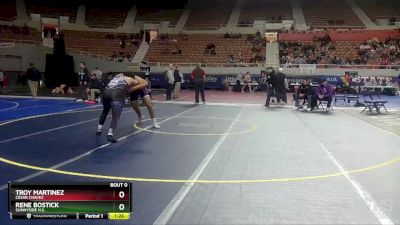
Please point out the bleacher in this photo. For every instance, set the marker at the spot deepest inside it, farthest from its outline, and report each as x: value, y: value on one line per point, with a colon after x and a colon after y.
x: 8, y: 10
x: 105, y: 17
x: 96, y: 43
x: 53, y: 9
x: 382, y: 9
x: 332, y: 14
x: 193, y: 48
x: 209, y: 14
x: 347, y: 43
x: 270, y: 10
x: 343, y: 49
x: 158, y: 15
x: 16, y: 34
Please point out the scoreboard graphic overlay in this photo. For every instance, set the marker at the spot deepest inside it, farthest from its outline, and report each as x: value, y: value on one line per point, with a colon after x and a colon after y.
x: 111, y: 200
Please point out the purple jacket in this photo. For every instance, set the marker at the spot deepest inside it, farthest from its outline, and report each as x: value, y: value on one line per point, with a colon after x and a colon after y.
x: 326, y: 91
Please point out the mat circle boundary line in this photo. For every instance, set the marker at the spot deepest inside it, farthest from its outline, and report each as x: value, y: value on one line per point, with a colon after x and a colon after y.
x: 16, y: 105
x: 252, y: 128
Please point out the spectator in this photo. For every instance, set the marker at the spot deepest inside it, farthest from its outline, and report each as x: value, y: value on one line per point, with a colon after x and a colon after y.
x: 324, y: 92
x: 271, y: 83
x: 98, y: 73
x: 372, y: 81
x: 45, y: 32
x: 1, y: 80
x: 347, y: 80
x: 135, y: 42
x: 59, y: 89
x: 147, y: 36
x: 21, y: 79
x: 239, y: 81
x: 398, y: 80
x: 83, y: 81
x: 247, y: 82
x: 178, y: 81
x: 33, y: 75
x: 122, y: 43
x: 169, y: 82
x: 110, y: 36
x: 198, y: 77
x: 280, y: 87
x: 302, y: 93
x: 226, y: 84
x: 231, y: 58
x: 94, y: 88
x: 210, y: 49
x: 142, y: 33
x: 53, y: 32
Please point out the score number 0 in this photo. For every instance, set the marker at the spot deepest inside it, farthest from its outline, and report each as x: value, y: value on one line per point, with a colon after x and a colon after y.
x: 121, y: 195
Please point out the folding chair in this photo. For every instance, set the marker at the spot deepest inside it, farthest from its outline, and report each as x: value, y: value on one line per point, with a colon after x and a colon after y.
x: 324, y: 105
x: 352, y: 96
x: 340, y: 97
x: 371, y: 103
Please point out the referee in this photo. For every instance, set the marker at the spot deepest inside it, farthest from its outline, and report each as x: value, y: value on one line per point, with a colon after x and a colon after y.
x: 198, y: 77
x: 271, y: 83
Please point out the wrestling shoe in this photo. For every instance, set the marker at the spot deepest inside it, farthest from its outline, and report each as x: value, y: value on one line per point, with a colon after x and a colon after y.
x: 141, y: 119
x: 156, y: 125
x: 111, y: 138
x: 99, y: 131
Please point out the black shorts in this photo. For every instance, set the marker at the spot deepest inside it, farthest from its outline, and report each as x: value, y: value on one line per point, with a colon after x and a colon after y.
x: 114, y: 94
x: 134, y: 96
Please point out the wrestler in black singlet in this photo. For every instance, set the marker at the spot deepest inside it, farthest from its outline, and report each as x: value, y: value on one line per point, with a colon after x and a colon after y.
x: 113, y: 98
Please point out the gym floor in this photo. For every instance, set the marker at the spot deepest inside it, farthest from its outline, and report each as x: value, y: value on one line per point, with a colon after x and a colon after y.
x: 213, y: 163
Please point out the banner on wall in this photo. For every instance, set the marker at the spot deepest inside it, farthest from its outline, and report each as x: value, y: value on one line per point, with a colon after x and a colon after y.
x: 217, y: 81
x: 335, y: 80
x: 7, y: 45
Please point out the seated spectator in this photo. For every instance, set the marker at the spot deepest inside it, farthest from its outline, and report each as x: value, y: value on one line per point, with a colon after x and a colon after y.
x: 324, y: 92
x: 53, y: 32
x: 98, y: 73
x: 135, y: 43
x: 213, y: 52
x: 231, y: 58
x: 239, y: 80
x: 247, y: 82
x: 372, y: 81
x: 25, y: 30
x: 21, y: 79
x: 258, y: 36
x: 164, y: 37
x: 305, y: 90
x: 110, y: 36
x: 62, y: 89
x: 122, y: 43
x: 232, y: 35
x: 94, y: 88
x: 210, y: 49
x: 177, y: 51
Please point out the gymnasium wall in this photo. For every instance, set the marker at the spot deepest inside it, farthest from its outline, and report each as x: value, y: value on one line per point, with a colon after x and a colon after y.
x: 28, y: 52
x: 37, y: 54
